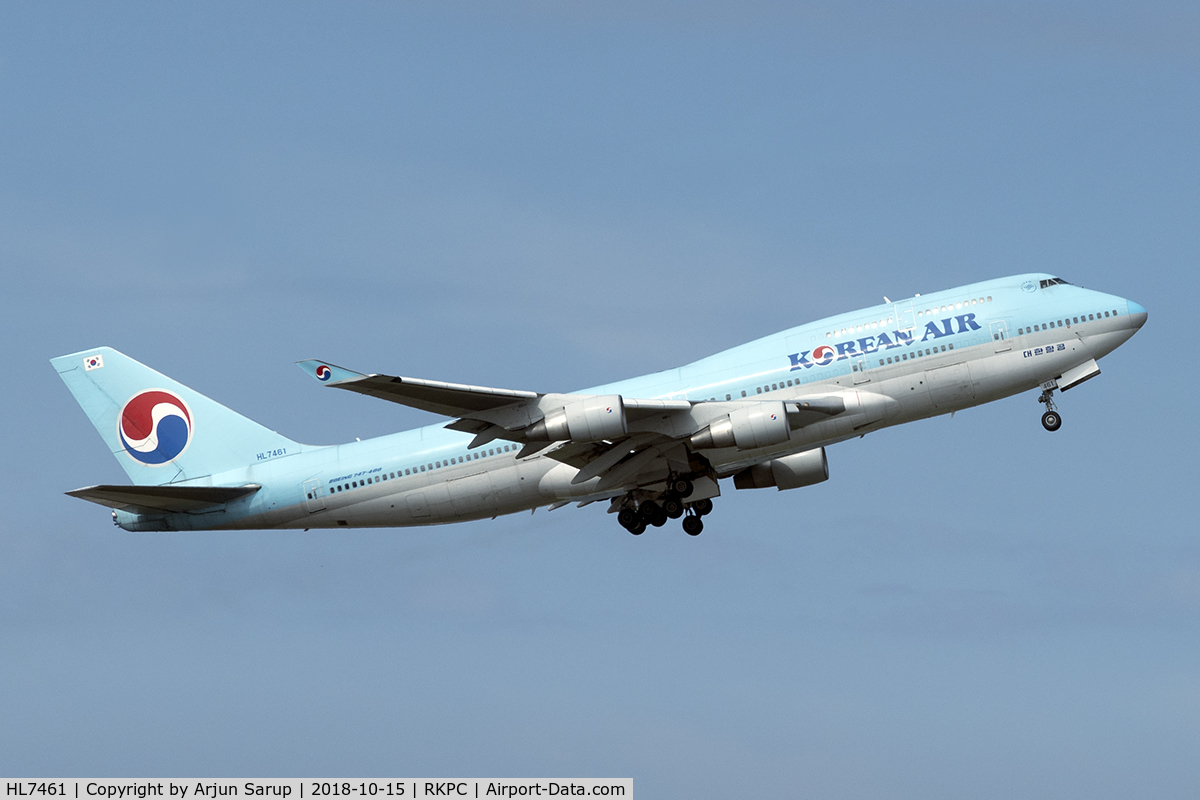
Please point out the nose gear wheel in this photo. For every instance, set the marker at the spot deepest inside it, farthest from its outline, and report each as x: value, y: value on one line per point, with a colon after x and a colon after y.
x: 1051, y: 420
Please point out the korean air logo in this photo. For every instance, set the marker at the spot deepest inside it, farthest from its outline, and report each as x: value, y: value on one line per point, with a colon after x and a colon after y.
x: 324, y: 373
x: 155, y: 427
x: 1029, y: 286
x: 823, y: 355
x: 609, y: 409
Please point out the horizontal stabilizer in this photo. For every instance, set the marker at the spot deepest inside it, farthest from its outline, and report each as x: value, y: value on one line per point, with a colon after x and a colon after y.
x: 172, y: 499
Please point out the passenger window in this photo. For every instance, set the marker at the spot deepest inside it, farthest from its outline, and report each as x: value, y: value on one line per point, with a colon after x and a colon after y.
x: 758, y: 390
x: 951, y: 347
x: 1106, y: 313
x: 405, y: 472
x: 491, y: 452
x: 943, y: 348
x: 1091, y: 316
x: 727, y: 397
x: 774, y: 387
x: 1076, y: 320
x: 743, y: 392
x: 881, y: 362
x: 889, y: 359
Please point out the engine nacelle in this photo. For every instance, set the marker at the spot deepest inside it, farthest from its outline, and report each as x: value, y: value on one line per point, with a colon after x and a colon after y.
x: 789, y: 472
x: 588, y: 420
x: 756, y: 425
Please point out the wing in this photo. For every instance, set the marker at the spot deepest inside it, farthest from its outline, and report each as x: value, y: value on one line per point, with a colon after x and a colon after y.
x: 487, y: 412
x: 447, y: 399
x: 622, y: 441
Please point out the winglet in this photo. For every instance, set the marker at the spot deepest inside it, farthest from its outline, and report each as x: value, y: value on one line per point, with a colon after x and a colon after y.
x: 328, y: 373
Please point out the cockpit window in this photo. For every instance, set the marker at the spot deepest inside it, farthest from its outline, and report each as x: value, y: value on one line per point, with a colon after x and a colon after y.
x: 1054, y: 282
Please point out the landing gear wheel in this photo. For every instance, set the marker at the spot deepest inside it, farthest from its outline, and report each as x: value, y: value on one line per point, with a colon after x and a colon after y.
x: 1051, y: 421
x: 681, y: 486
x: 673, y: 507
x: 637, y: 528
x: 692, y: 525
x: 627, y: 518
x: 702, y: 507
x: 651, y: 514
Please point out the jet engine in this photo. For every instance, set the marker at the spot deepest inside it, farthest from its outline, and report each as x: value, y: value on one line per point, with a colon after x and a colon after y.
x: 789, y: 472
x: 756, y: 425
x: 589, y: 420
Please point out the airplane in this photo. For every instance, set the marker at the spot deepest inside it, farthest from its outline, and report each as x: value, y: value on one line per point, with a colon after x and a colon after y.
x: 654, y: 448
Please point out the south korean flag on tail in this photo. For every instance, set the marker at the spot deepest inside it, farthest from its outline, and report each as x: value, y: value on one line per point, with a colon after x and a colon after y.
x: 93, y: 362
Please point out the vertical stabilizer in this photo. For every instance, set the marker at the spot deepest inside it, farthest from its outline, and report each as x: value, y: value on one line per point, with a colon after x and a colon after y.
x: 160, y: 430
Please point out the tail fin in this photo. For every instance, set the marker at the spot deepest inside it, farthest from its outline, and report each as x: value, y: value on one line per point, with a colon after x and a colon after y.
x: 160, y: 430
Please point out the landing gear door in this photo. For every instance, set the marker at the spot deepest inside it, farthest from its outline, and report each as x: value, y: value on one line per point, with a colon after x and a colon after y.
x: 313, y: 499
x: 1000, y: 336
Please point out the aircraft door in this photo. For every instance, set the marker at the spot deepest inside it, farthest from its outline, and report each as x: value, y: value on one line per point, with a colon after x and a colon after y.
x: 472, y: 495
x: 906, y: 318
x: 950, y: 387
x: 313, y: 499
x: 1000, y: 336
x: 417, y: 506
x: 858, y: 369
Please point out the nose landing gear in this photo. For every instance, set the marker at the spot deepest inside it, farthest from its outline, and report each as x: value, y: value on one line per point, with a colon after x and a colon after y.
x: 1051, y: 420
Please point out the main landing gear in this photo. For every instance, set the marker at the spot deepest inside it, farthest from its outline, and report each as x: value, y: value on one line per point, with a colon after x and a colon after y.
x: 1051, y: 420
x: 669, y: 505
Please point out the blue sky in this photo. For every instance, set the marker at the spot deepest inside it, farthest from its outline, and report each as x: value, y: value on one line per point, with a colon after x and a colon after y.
x: 549, y: 196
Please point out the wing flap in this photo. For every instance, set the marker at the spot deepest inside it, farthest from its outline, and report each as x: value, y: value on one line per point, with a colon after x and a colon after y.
x: 171, y: 499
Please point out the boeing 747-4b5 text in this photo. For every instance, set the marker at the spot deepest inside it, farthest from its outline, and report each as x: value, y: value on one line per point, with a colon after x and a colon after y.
x: 655, y: 447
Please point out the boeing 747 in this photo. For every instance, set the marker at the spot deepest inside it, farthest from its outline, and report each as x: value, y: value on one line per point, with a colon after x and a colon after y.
x: 652, y: 448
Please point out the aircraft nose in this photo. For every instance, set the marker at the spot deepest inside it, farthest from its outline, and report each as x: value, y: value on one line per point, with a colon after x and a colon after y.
x: 1137, y: 315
